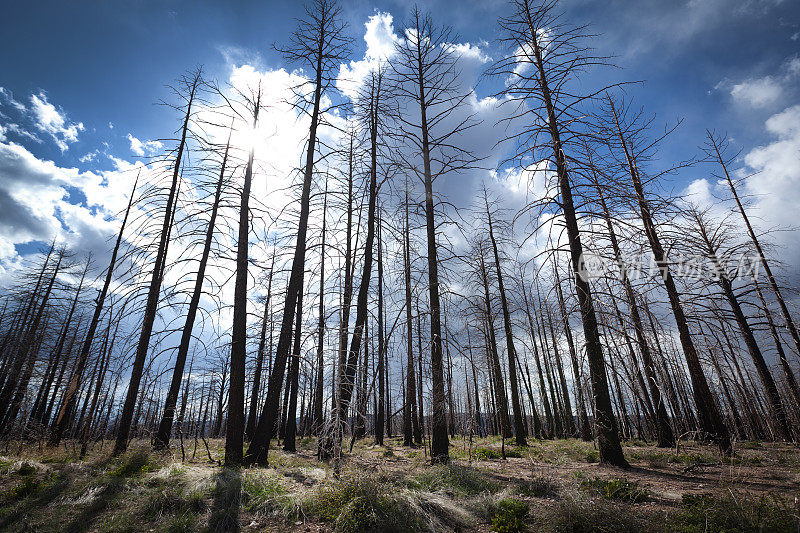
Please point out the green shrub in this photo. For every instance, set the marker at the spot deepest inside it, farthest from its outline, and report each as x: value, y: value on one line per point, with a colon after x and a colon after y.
x: 510, y: 516
x: 692, y: 459
x: 26, y: 469
x: 362, y: 504
x: 593, y: 456
x: 618, y: 489
x: 484, y: 454
x: 262, y: 494
x: 29, y: 486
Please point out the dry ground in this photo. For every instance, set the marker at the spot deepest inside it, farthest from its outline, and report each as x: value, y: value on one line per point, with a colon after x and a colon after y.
x: 548, y: 486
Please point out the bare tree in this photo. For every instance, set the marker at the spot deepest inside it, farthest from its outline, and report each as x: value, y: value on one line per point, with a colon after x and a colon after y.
x: 546, y: 56
x: 190, y: 84
x: 425, y: 73
x: 318, y: 43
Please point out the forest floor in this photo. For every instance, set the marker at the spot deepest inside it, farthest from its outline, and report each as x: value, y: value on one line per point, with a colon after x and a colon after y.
x: 555, y: 485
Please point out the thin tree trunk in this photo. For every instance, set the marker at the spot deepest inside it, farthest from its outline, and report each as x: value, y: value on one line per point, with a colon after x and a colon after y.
x: 126, y: 418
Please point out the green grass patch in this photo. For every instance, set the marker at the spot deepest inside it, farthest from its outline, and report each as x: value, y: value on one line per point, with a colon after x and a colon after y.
x: 510, y: 516
x: 356, y: 504
x: 134, y: 464
x: 485, y: 454
x: 617, y: 489
x: 263, y: 494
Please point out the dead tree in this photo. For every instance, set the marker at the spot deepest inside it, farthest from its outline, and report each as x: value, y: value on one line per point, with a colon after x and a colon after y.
x: 711, y: 240
x: 665, y: 436
x: 191, y: 84
x: 624, y: 129
x: 234, y: 437
x: 545, y: 56
x: 519, y: 427
x: 372, y: 101
x: 320, y: 45
x: 164, y: 431
x: 425, y: 74
x: 411, y: 422
x: 715, y: 149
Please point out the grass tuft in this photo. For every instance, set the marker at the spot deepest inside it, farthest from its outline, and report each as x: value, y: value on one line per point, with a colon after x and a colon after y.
x: 510, y: 516
x: 705, y: 513
x: 456, y: 479
x: 617, y: 489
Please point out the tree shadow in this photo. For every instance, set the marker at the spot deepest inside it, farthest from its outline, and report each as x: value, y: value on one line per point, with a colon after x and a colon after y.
x: 132, y: 465
x: 50, y: 493
x: 99, y: 504
x: 227, y: 494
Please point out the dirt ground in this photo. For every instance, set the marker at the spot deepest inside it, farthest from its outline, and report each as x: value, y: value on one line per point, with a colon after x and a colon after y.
x: 555, y: 485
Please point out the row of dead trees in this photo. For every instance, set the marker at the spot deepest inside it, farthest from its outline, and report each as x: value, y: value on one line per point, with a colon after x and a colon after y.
x: 447, y: 339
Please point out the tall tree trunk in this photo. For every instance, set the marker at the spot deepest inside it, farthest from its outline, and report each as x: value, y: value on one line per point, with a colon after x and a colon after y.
x: 293, y: 383
x: 346, y: 381
x: 583, y: 418
x: 381, y: 407
x: 234, y: 435
x: 767, y: 270
x: 27, y: 355
x: 519, y: 428
x: 666, y: 438
x: 776, y: 405
x: 607, y: 436
x: 259, y: 446
x: 318, y: 416
x: 710, y: 420
x: 411, y: 429
x: 532, y: 324
x: 165, y: 426
x: 252, y: 416
x: 126, y: 417
x: 494, y: 359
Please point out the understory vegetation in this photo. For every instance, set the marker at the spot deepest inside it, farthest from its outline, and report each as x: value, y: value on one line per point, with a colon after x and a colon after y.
x: 550, y: 486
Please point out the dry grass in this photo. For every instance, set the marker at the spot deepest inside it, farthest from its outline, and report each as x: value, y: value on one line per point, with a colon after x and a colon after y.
x: 548, y: 486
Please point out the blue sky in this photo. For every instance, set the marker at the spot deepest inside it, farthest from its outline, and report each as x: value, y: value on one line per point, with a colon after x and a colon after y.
x: 109, y: 61
x: 725, y: 64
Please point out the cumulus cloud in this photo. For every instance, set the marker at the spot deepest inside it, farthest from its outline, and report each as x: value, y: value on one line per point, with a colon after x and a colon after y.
x: 380, y: 38
x: 771, y: 174
x: 40, y: 200
x: 53, y: 121
x: 766, y: 91
x: 142, y: 148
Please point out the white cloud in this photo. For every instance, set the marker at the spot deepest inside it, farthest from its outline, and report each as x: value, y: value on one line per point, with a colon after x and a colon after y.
x: 89, y: 157
x: 51, y: 120
x: 142, y: 148
x: 380, y: 36
x: 35, y: 203
x: 381, y: 39
x: 6, y: 96
x: 757, y: 92
x: 766, y: 91
x: 775, y: 186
